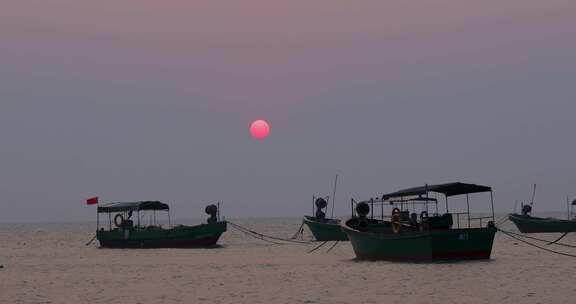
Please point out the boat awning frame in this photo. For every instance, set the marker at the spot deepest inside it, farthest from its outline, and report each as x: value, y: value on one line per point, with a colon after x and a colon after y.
x: 133, y: 206
x: 449, y: 189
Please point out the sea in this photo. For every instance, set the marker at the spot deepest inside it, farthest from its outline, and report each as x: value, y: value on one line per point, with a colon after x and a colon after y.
x: 51, y: 263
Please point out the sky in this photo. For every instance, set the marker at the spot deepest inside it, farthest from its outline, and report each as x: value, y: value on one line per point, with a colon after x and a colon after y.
x: 152, y: 100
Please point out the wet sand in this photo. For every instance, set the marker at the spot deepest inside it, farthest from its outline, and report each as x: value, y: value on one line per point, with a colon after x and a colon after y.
x: 49, y: 263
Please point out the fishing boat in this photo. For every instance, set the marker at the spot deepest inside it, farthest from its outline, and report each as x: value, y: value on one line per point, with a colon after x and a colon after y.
x: 324, y: 229
x: 532, y: 224
x: 527, y: 223
x: 123, y: 232
x: 405, y: 235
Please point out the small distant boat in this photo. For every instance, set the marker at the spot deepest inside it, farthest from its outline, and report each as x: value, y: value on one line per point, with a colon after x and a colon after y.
x: 527, y: 223
x: 324, y: 229
x: 428, y: 236
x: 531, y: 224
x: 122, y: 232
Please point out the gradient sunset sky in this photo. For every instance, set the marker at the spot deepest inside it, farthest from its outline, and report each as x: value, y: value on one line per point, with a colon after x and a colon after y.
x: 137, y: 100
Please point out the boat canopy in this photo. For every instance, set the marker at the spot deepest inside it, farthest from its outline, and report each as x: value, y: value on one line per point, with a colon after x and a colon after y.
x: 132, y: 206
x: 450, y: 189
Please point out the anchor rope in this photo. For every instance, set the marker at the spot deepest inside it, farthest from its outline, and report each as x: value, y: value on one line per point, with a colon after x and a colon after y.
x: 535, y: 245
x: 91, y: 240
x: 558, y: 239
x: 263, y: 237
x: 330, y: 249
x: 503, y: 220
x: 318, y: 247
x: 537, y: 239
x: 298, y: 232
x: 260, y: 238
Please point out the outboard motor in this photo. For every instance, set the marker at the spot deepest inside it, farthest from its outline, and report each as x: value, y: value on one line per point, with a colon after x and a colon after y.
x: 526, y: 210
x: 320, y: 204
x: 362, y: 209
x: 212, y: 210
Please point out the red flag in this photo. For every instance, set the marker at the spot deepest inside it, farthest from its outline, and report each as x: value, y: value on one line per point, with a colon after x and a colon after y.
x: 92, y: 201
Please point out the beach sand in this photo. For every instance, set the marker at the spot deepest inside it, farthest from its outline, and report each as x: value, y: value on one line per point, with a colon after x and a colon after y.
x: 49, y: 263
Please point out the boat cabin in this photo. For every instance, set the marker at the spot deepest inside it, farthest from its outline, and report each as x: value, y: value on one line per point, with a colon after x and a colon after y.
x: 133, y: 215
x: 421, y: 209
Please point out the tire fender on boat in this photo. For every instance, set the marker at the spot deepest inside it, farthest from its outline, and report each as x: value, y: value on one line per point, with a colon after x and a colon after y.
x: 118, y: 220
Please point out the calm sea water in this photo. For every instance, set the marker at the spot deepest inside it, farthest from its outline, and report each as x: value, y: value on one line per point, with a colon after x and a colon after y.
x: 49, y: 263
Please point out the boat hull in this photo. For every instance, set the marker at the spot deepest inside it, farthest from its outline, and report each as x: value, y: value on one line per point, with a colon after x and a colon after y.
x: 530, y: 224
x: 453, y: 244
x: 326, y: 230
x: 204, y: 235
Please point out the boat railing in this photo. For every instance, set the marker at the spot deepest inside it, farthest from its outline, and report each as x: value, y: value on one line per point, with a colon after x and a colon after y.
x: 481, y: 218
x: 469, y: 221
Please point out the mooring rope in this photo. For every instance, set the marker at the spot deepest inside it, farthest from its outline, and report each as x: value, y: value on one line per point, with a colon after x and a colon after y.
x: 249, y: 233
x: 558, y: 239
x: 503, y: 220
x: 262, y: 236
x: 534, y: 245
x: 92, y: 240
x: 318, y: 247
x: 330, y: 249
x: 298, y: 232
x: 538, y: 239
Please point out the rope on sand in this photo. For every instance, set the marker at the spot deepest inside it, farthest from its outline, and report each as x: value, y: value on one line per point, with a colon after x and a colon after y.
x: 318, y: 247
x: 558, y: 239
x: 92, y: 240
x: 330, y: 249
x: 548, y: 242
x: 264, y: 237
x: 298, y: 232
x: 535, y: 245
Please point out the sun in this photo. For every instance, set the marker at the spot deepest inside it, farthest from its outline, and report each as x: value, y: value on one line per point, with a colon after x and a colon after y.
x: 260, y: 129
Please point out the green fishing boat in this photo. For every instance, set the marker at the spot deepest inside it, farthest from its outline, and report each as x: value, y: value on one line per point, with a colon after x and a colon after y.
x: 123, y: 232
x: 527, y: 223
x: 405, y: 235
x: 324, y: 229
x: 531, y: 224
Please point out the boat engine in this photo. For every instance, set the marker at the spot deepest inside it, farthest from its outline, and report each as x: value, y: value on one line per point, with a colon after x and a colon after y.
x: 320, y: 205
x: 212, y: 210
x: 362, y: 209
x: 526, y: 209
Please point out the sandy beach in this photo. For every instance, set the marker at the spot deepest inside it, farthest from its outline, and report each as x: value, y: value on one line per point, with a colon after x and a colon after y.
x: 49, y: 263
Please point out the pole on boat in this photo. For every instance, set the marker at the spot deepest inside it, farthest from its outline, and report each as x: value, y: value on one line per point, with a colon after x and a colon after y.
x: 313, y: 200
x: 568, y: 205
x: 468, y: 207
x: 372, y: 208
x: 382, y: 207
x: 334, y: 195
x: 492, y: 203
x: 533, y: 195
x: 427, y: 198
x: 97, y: 218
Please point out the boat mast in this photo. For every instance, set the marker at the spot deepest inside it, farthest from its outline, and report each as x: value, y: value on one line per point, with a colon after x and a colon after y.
x: 568, y: 205
x: 334, y: 195
x: 533, y: 195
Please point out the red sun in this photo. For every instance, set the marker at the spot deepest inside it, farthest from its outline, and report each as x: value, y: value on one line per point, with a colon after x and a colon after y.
x: 260, y: 129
